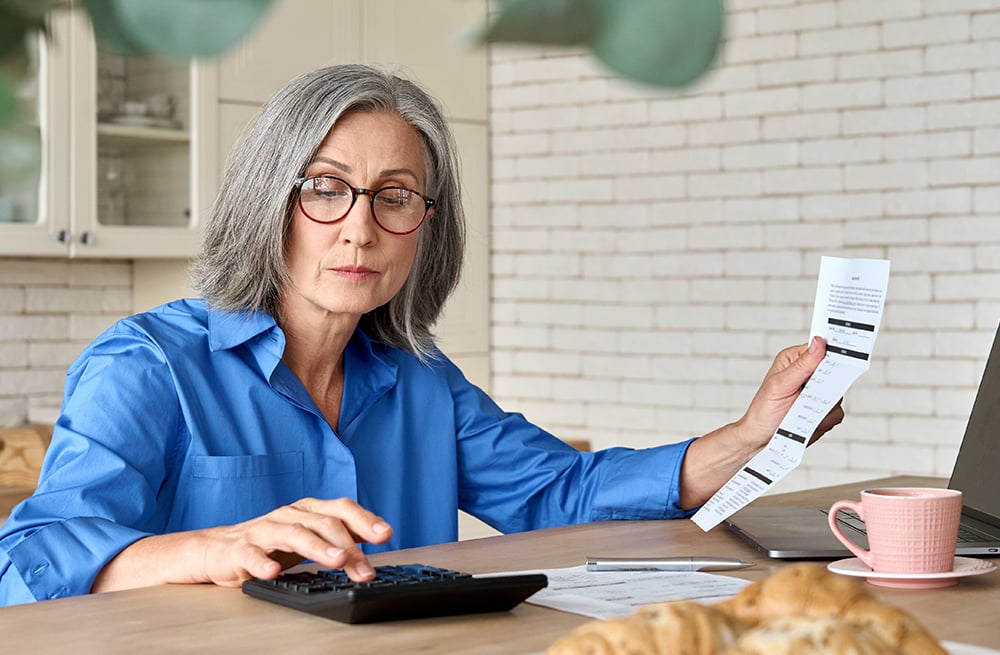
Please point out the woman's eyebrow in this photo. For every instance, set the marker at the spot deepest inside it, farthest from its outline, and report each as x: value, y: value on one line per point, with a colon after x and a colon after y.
x: 332, y: 162
x: 389, y: 172
x: 392, y: 172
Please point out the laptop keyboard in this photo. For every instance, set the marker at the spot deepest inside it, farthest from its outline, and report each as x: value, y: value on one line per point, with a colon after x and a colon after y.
x: 970, y: 536
x: 846, y: 517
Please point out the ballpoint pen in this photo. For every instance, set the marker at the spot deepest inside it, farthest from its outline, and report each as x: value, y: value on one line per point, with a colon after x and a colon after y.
x: 665, y: 563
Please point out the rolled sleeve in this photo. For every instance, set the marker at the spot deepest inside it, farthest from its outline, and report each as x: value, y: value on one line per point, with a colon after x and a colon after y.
x: 48, y: 562
x: 516, y: 476
x: 641, y: 484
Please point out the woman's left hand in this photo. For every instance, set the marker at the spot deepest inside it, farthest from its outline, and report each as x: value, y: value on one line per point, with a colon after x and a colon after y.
x: 781, y: 386
x: 714, y: 458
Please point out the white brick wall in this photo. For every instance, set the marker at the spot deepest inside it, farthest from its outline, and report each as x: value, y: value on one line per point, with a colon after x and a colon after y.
x: 653, y: 249
x: 49, y: 310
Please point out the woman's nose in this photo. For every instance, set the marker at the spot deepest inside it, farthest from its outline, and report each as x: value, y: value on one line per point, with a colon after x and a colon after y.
x: 359, y: 226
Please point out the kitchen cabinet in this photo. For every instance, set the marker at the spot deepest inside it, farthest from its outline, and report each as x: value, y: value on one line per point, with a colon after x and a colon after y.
x: 128, y: 151
x: 124, y: 178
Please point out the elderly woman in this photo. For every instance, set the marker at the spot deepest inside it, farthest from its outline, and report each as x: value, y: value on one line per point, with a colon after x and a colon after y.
x: 301, y: 410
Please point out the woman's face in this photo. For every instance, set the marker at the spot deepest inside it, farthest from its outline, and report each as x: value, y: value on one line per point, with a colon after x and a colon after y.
x: 353, y: 266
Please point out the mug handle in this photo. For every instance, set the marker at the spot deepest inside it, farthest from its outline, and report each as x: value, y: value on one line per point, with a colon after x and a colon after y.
x: 862, y: 554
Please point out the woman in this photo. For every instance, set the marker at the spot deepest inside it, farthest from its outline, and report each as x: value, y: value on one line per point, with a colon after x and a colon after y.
x: 302, y: 408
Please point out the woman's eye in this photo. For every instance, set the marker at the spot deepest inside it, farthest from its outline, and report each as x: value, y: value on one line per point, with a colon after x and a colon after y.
x: 396, y: 197
x: 332, y: 194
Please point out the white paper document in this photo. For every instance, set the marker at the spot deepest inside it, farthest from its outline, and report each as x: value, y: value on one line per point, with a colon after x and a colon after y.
x: 605, y: 594
x: 850, y: 296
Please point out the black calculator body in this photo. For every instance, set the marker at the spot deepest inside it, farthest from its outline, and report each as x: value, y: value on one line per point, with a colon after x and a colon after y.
x: 406, y: 591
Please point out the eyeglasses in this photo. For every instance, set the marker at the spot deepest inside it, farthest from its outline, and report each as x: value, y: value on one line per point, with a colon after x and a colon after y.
x: 328, y: 199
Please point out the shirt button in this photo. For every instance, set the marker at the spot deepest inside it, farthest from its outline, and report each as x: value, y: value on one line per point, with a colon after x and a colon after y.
x: 59, y: 593
x: 40, y: 569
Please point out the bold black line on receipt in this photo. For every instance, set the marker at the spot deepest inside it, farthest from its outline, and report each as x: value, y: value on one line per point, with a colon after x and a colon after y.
x: 791, y: 435
x: 847, y: 353
x: 851, y: 324
x: 760, y: 476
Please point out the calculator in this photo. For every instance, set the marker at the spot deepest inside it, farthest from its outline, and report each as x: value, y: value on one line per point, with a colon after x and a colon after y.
x: 405, y: 591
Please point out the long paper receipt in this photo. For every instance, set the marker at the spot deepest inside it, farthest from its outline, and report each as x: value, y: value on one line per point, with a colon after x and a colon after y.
x: 850, y: 297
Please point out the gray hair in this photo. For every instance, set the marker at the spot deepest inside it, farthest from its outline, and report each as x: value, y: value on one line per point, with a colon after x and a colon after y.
x: 241, y: 265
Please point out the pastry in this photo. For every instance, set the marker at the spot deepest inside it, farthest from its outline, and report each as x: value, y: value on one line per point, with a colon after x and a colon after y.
x: 810, y: 590
x: 802, y: 609
x: 675, y: 628
x: 894, y: 625
x: 795, y: 590
x: 690, y: 628
x: 608, y: 637
x: 808, y: 636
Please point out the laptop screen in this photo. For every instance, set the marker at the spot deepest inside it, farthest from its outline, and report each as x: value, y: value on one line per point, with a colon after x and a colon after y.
x: 978, y: 466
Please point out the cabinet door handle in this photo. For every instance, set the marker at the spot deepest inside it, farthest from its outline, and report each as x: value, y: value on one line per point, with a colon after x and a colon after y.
x: 61, y: 236
x: 87, y: 238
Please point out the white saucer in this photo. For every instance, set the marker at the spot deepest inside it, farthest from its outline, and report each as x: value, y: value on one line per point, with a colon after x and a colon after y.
x: 955, y: 648
x: 963, y: 566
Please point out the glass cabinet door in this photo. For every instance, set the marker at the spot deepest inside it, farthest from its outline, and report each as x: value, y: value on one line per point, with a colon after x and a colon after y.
x: 144, y: 162
x: 19, y: 203
x: 34, y: 216
x: 129, y: 153
x: 143, y: 141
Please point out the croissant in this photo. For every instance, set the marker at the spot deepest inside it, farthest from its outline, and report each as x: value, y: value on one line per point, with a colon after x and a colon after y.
x: 809, y: 590
x: 894, y: 625
x: 690, y: 628
x: 802, y: 609
x: 672, y: 628
x: 795, y: 590
x: 608, y: 637
x: 806, y: 636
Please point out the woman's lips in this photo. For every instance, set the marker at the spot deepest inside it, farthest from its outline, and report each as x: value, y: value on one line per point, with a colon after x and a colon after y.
x: 354, y: 272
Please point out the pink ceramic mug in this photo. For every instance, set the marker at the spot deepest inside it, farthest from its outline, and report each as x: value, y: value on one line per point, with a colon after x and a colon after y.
x: 910, y: 529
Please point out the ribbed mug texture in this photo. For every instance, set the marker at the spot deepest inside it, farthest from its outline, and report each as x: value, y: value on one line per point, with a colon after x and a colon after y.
x: 910, y: 529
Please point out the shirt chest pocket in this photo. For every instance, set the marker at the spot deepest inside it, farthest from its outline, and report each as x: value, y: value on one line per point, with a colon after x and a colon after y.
x: 231, y: 489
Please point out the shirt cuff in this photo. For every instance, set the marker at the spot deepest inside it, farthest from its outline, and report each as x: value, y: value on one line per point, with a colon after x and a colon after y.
x: 657, y: 497
x: 62, y: 559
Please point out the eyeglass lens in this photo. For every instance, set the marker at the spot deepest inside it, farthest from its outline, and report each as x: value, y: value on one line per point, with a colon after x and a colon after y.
x: 328, y: 199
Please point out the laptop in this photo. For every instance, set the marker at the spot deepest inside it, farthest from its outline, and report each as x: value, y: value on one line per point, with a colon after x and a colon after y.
x: 803, y: 532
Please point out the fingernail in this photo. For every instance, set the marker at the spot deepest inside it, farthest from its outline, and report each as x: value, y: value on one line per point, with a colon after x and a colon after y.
x: 334, y: 553
x: 381, y: 527
x: 812, y: 344
x: 365, y: 569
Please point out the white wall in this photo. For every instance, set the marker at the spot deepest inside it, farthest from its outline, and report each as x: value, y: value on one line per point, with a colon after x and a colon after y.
x: 50, y: 309
x: 652, y: 250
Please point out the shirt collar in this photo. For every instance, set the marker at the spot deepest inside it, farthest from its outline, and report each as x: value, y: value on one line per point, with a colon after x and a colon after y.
x: 370, y: 369
x: 229, y: 329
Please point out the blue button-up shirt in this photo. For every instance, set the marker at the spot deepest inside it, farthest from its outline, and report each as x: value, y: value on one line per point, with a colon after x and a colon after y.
x: 185, y: 418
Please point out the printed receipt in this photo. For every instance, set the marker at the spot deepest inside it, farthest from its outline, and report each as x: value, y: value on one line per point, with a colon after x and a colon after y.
x: 850, y: 297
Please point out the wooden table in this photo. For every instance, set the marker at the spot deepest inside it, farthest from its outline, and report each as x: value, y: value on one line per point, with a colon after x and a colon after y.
x: 206, y: 619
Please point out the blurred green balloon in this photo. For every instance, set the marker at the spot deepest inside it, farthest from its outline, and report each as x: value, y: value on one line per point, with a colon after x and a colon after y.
x: 109, y: 30
x: 8, y: 100
x: 13, y: 27
x: 667, y: 43
x: 560, y: 22
x: 187, y: 28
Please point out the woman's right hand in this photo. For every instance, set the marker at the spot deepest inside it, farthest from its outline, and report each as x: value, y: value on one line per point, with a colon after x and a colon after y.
x: 324, y: 531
